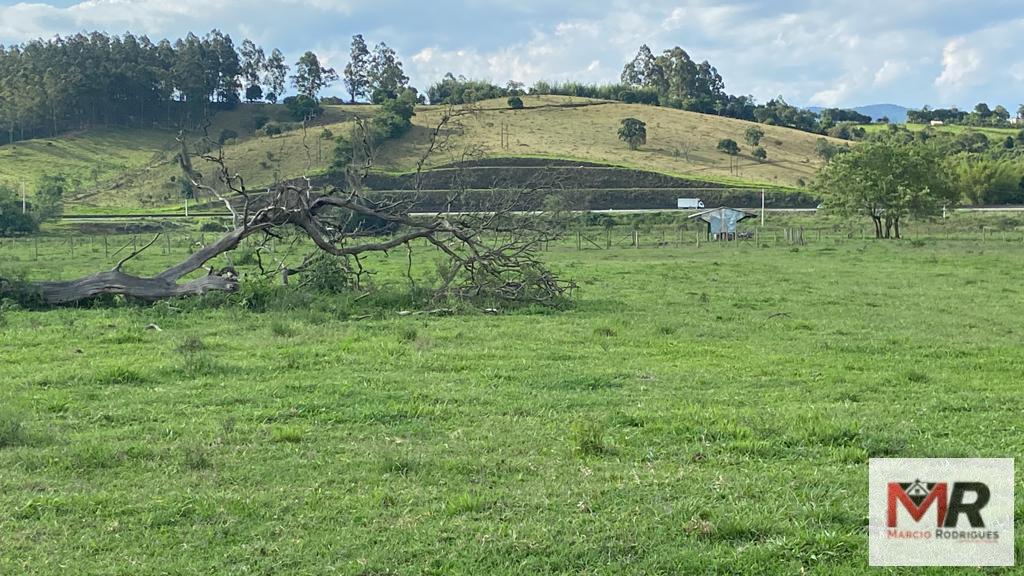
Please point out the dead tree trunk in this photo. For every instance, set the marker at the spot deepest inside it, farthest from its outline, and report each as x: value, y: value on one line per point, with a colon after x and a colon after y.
x: 490, y: 253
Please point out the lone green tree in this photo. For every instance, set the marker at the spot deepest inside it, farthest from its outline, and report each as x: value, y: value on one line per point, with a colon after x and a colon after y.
x: 633, y: 132
x: 754, y: 135
x: 310, y: 77
x: 49, y: 197
x: 887, y: 181
x: 275, y: 74
x: 729, y: 146
x: 357, y: 71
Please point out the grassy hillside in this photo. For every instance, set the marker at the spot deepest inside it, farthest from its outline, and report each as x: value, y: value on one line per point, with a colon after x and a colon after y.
x: 88, y: 159
x: 121, y: 168
x: 679, y: 143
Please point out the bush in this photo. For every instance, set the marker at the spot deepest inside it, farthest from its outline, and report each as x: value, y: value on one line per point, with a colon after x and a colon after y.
x: 729, y: 146
x: 258, y: 122
x: 515, y: 103
x: 760, y: 153
x: 303, y: 107
x: 225, y: 135
x: 272, y: 129
x: 754, y: 135
x: 12, y: 221
x: 395, y: 115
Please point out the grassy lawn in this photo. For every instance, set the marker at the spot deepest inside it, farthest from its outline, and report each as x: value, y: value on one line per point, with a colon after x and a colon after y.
x: 702, y: 410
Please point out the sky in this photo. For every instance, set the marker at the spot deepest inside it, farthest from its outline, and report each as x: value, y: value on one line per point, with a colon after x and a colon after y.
x: 814, y: 52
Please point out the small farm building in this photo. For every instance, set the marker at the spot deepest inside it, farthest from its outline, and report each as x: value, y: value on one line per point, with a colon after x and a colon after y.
x: 722, y: 221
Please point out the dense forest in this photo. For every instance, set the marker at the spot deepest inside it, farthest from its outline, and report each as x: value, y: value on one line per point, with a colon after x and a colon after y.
x: 49, y: 87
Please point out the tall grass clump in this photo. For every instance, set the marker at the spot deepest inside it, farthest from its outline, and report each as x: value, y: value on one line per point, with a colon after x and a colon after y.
x: 12, y: 429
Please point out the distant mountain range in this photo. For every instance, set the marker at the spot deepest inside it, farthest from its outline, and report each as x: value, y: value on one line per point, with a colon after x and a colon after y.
x: 896, y: 114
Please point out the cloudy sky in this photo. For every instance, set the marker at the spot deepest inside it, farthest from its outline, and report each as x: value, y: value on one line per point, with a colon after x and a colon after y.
x: 814, y: 52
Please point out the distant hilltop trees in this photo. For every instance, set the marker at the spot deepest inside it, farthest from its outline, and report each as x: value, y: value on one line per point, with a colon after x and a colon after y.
x: 982, y: 115
x: 48, y: 87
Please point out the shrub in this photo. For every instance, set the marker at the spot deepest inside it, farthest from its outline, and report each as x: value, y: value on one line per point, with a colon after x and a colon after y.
x: 760, y: 153
x: 395, y: 115
x: 12, y: 221
x: 212, y: 227
x: 754, y: 135
x: 729, y: 146
x: 515, y: 103
x: 303, y: 107
x: 225, y: 135
x: 259, y: 121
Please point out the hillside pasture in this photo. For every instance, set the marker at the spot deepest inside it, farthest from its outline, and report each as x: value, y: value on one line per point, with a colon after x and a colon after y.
x: 678, y: 143
x: 127, y: 169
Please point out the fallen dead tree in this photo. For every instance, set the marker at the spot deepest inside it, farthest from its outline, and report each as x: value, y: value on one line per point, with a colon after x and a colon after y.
x: 490, y: 254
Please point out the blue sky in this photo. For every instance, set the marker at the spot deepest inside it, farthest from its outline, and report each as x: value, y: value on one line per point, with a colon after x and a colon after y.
x: 814, y: 52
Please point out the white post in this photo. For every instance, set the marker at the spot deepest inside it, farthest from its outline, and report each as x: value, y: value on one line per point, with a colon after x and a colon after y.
x: 186, y: 206
x: 22, y: 197
x: 762, y: 207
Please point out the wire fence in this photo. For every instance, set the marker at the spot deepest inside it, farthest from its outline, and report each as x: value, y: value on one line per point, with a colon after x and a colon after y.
x: 71, y: 247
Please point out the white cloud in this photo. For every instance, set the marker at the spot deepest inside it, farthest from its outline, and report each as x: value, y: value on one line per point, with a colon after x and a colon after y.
x: 424, y: 56
x: 890, y: 71
x: 960, y: 62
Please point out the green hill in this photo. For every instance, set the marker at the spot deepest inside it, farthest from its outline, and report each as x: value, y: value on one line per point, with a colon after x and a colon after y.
x: 129, y: 169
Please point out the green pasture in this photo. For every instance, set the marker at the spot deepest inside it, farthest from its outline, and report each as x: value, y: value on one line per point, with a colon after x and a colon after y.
x: 695, y: 411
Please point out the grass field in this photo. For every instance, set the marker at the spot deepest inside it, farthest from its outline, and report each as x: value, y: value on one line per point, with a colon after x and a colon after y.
x: 992, y: 133
x: 126, y: 169
x: 702, y: 410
